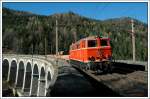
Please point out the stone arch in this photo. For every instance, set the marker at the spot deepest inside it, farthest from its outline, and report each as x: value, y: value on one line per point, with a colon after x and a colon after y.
x: 28, y: 75
x: 42, y: 82
x: 20, y: 74
x: 49, y: 76
x: 5, y: 69
x: 13, y: 71
x: 51, y: 71
x: 35, y: 79
x: 42, y: 72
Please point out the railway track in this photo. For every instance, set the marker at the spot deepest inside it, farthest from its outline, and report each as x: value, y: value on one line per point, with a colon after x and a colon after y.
x: 125, y: 81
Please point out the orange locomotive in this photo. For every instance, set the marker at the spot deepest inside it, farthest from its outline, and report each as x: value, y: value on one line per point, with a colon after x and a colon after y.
x: 92, y: 53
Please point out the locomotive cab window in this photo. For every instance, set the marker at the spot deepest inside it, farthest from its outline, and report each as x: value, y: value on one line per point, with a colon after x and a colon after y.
x: 104, y: 43
x: 92, y: 43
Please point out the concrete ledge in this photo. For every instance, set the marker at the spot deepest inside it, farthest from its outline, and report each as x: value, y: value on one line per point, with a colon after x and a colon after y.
x: 144, y: 63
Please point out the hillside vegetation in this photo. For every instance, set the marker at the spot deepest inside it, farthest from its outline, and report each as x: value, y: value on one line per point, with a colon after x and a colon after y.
x: 24, y: 32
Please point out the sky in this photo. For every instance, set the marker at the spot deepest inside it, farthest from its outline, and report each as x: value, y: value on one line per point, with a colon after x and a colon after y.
x: 98, y: 10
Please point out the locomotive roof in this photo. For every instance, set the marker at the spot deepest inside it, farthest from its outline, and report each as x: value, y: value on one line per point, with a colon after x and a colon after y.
x: 90, y: 38
x: 87, y: 38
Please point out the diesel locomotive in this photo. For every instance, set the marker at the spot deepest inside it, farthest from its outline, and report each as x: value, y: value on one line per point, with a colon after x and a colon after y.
x: 92, y: 53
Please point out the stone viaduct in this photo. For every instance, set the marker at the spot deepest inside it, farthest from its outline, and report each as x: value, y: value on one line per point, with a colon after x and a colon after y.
x: 30, y: 75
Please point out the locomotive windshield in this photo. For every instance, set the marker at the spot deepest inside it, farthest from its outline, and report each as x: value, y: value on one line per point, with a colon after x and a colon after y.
x: 92, y: 43
x: 104, y: 43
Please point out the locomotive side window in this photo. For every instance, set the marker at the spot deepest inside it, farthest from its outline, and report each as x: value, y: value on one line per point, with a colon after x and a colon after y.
x: 92, y: 43
x: 83, y: 44
x: 104, y: 43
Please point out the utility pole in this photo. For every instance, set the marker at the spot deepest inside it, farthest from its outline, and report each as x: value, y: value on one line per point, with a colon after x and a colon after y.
x: 56, y: 42
x: 133, y: 39
x: 56, y: 37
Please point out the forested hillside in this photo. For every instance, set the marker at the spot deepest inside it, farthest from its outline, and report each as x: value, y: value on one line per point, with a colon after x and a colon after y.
x: 24, y: 31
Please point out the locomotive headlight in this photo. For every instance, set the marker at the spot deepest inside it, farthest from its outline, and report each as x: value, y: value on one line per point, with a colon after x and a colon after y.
x: 91, y: 58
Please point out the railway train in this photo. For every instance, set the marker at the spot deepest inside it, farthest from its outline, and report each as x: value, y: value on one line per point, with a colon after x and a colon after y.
x: 92, y: 53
